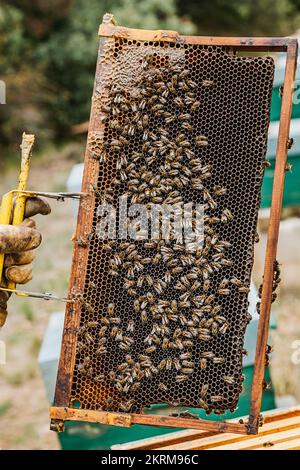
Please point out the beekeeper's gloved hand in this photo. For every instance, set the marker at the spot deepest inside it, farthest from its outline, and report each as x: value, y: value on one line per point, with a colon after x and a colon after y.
x: 18, y: 242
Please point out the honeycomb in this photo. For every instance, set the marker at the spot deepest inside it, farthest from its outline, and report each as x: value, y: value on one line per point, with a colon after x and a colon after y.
x: 159, y: 323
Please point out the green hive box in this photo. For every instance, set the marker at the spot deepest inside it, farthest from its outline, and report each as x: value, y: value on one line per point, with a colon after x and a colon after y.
x: 292, y: 187
x: 291, y: 195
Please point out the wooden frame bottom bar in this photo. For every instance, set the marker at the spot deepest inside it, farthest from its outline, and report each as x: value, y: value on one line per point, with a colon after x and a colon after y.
x: 59, y: 415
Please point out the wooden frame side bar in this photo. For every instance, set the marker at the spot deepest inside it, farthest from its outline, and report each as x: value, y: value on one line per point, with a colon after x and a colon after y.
x: 245, y: 43
x: 273, y: 232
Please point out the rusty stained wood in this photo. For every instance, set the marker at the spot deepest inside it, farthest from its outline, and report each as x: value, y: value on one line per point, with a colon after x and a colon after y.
x: 91, y: 416
x: 173, y: 422
x: 272, y: 240
x: 124, y: 419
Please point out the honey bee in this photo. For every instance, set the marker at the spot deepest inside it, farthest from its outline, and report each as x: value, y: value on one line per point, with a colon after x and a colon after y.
x: 136, y: 386
x: 132, y: 292
x: 191, y: 83
x: 203, y: 363
x: 187, y: 370
x: 195, y: 106
x: 102, y: 341
x: 181, y: 378
x: 206, y: 285
x: 185, y: 356
x: 288, y: 167
x: 88, y: 338
x: 236, y: 282
x: 216, y: 398
x: 112, y: 376
x: 144, y: 316
x: 207, y: 83
x: 129, y: 283
x: 207, y: 354
x: 92, y: 324
x: 223, y: 328
x: 182, y: 85
x: 218, y: 360
x: 179, y: 102
x: 187, y: 363
x: 171, y: 87
x: 124, y: 346
x: 114, y: 331
x: 187, y: 126
x: 162, y: 364
x: 123, y: 367
x: 111, y: 309
x: 244, y: 290
x: 201, y: 141
x: 204, y: 390
x: 81, y: 346
x: 100, y: 351
x: 126, y: 406
x: 267, y: 163
x: 83, y: 368
x: 150, y: 297
x: 203, y: 404
x: 219, y: 319
x: 163, y: 387
x: 104, y: 321
x: 99, y: 378
x: 226, y: 216
x: 267, y: 385
x: 169, y: 363
x: 229, y: 379
x: 204, y: 334
x: 184, y: 117
x: 150, y: 349
x: 219, y: 191
x: 184, y: 73
x: 157, y: 107
x: 223, y: 291
x: 214, y: 328
x: 130, y: 326
x: 226, y: 262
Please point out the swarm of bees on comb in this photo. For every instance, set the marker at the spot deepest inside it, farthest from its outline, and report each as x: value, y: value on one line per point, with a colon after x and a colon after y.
x: 174, y: 292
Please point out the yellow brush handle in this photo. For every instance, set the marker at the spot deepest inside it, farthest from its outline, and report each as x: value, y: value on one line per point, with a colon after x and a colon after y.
x: 5, y: 213
x: 19, y: 206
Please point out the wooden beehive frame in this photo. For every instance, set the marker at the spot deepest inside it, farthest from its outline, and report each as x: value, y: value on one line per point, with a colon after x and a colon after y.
x: 61, y: 412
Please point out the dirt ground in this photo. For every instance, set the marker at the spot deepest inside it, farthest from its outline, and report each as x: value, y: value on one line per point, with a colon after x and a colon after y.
x: 24, y: 422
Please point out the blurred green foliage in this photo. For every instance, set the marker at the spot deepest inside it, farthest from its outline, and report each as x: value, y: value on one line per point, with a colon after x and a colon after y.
x: 48, y: 51
x: 243, y: 17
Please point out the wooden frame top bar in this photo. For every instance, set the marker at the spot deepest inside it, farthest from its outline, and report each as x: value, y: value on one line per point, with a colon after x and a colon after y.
x: 243, y: 43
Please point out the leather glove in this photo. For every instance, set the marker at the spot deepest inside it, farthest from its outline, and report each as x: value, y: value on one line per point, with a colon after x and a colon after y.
x: 18, y: 242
